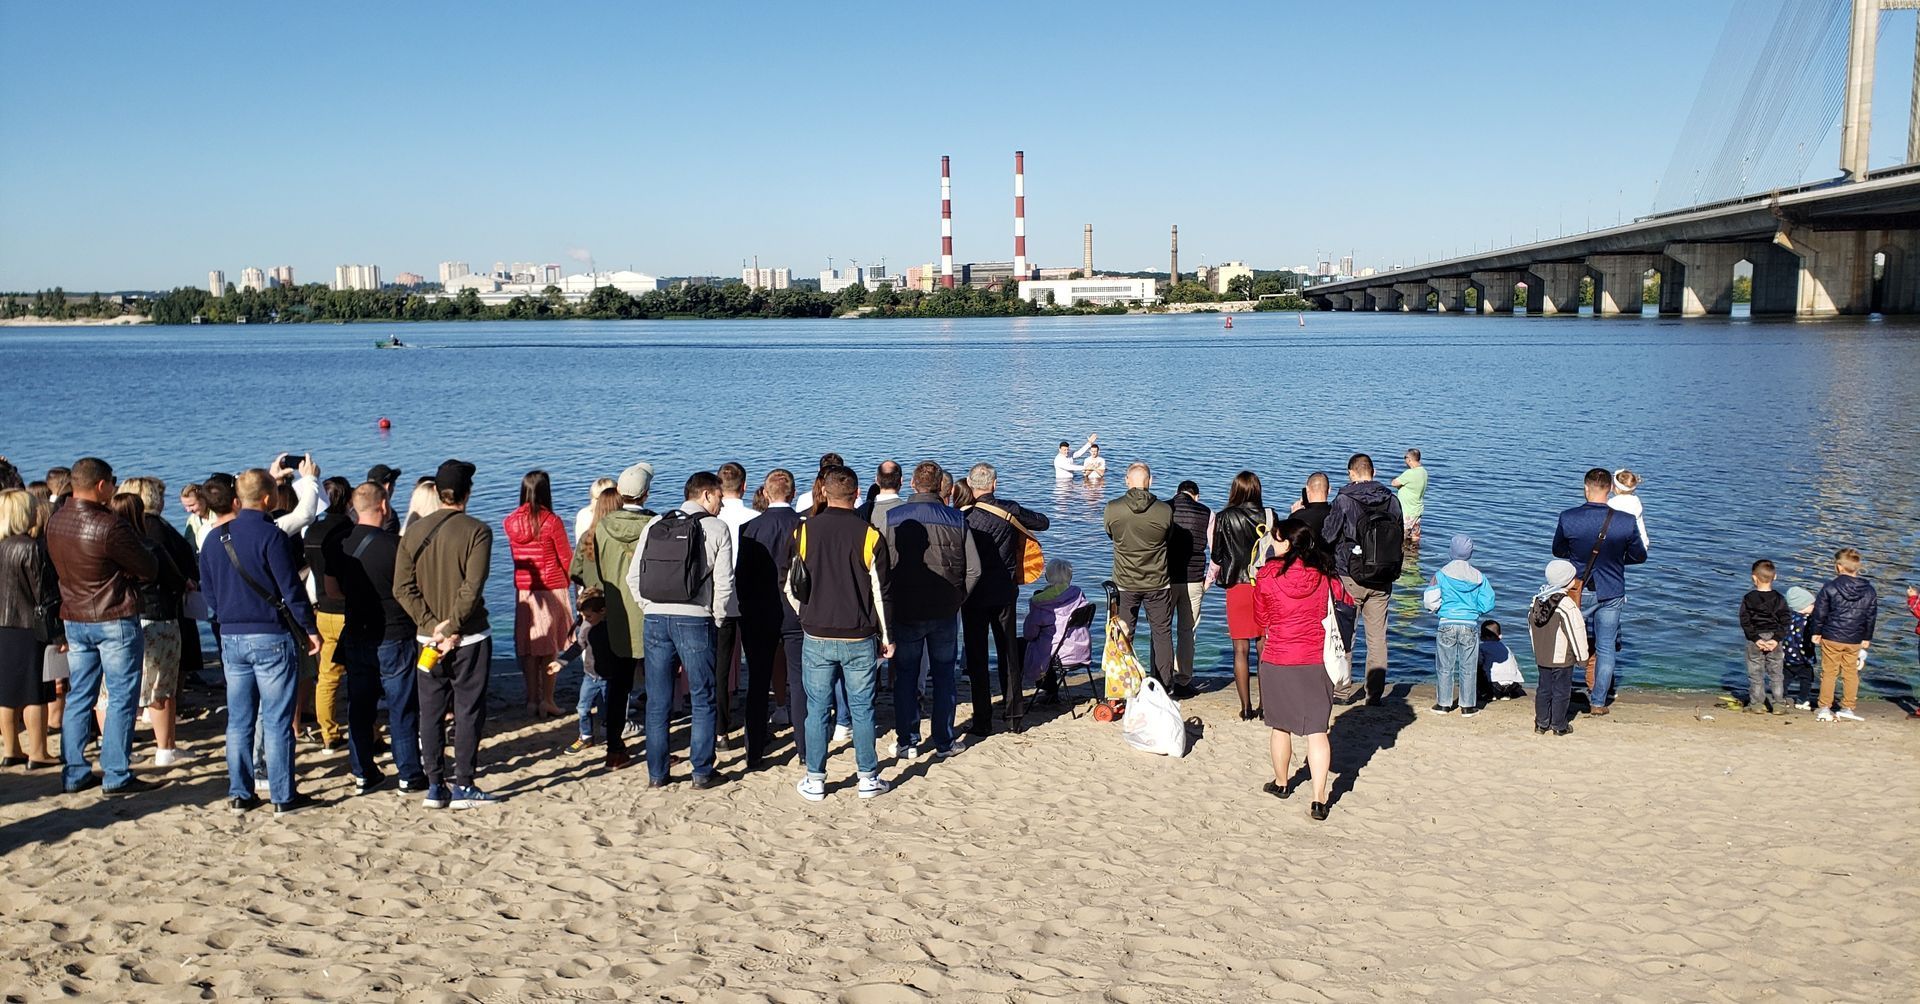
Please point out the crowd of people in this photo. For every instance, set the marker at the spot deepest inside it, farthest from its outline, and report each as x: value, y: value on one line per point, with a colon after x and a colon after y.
x: 322, y: 597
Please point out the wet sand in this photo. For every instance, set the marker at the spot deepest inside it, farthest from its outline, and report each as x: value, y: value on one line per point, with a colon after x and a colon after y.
x: 1649, y: 856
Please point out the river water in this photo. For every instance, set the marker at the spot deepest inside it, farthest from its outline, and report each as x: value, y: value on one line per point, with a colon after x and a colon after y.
x: 1756, y: 439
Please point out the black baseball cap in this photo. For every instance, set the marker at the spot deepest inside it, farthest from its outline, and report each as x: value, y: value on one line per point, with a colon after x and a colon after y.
x: 454, y: 477
x: 381, y: 474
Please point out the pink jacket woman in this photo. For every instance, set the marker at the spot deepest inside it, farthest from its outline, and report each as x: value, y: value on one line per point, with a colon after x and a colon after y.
x: 1290, y: 607
x: 541, y: 550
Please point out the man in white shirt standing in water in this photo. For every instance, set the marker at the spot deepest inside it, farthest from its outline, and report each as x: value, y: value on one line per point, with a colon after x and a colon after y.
x: 1065, y: 464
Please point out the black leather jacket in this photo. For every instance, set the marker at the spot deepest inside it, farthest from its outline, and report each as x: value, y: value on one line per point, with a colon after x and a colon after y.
x: 26, y: 578
x: 1234, y: 531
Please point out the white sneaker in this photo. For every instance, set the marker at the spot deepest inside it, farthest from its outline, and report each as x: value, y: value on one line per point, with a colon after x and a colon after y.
x: 872, y: 786
x: 955, y: 748
x: 1803, y: 705
x: 842, y: 734
x: 632, y: 731
x: 1847, y: 715
x: 813, y: 789
x: 260, y: 786
x: 167, y: 758
x: 906, y: 752
x: 1823, y: 716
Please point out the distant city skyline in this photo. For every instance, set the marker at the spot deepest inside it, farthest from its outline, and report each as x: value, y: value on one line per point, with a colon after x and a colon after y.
x: 1319, y: 142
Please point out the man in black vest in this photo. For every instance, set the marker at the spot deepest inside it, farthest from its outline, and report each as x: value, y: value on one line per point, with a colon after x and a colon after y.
x: 1187, y: 574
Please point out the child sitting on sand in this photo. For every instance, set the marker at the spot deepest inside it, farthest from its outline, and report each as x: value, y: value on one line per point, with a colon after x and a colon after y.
x: 1797, y: 650
x: 1499, y: 670
x: 590, y: 644
x: 1625, y: 485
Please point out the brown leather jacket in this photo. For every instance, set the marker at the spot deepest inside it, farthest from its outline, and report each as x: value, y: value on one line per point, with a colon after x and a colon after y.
x: 101, y: 562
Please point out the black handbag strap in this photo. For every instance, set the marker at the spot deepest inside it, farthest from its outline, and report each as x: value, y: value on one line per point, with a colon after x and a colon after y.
x: 1597, y: 541
x: 273, y: 599
x: 428, y: 539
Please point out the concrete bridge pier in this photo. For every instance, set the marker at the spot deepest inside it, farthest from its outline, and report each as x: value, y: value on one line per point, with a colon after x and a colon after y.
x: 1496, y: 290
x: 1708, y: 286
x: 1451, y: 293
x: 1413, y: 296
x: 1385, y: 298
x: 1620, y: 282
x: 1835, y: 270
x: 1555, y: 287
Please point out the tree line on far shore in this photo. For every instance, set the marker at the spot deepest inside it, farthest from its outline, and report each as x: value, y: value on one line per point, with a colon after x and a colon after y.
x: 317, y: 303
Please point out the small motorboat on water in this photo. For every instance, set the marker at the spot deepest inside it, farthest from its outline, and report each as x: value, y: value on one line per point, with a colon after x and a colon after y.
x: 392, y: 342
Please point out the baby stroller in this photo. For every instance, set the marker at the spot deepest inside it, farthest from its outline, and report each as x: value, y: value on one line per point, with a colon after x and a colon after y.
x: 1118, y: 664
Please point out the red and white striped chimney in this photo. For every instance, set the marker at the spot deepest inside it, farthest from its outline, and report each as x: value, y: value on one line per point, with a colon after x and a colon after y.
x: 1019, y: 216
x: 946, y: 225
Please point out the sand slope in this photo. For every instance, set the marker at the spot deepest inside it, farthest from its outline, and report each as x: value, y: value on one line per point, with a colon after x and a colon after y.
x: 1650, y: 857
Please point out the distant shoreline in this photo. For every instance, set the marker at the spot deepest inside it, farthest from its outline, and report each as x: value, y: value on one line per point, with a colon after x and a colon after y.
x: 78, y: 322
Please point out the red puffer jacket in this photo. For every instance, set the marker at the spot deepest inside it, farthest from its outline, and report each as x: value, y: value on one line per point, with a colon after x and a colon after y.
x: 541, y: 550
x: 1289, y: 608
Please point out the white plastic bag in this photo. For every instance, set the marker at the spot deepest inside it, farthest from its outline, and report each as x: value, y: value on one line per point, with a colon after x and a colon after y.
x: 1153, y: 723
x: 1334, y: 652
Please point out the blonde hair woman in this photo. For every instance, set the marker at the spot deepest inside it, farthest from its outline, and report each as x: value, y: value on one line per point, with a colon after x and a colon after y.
x: 425, y: 502
x: 27, y: 583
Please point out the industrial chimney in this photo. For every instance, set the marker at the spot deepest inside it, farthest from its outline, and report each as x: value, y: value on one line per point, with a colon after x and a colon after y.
x: 1086, y: 253
x: 946, y: 226
x: 1020, y: 216
x: 1173, y: 267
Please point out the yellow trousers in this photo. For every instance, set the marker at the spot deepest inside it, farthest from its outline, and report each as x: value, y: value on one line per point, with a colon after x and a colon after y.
x: 327, y: 692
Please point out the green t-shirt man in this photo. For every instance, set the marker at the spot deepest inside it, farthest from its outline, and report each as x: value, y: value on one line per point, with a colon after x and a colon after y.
x: 1413, y: 489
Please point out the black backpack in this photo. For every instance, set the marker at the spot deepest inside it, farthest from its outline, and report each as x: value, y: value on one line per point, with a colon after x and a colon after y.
x: 674, y: 563
x: 1381, y: 538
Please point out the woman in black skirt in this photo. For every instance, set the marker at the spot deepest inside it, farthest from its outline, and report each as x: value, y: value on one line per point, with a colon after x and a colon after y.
x: 1290, y: 601
x: 26, y: 583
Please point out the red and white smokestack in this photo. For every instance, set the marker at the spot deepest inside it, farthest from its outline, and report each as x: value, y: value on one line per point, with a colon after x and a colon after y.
x: 946, y: 225
x: 1019, y: 215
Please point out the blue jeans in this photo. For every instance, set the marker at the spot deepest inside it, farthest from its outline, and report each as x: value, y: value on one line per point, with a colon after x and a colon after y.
x: 692, y: 639
x: 263, y: 673
x: 593, y: 690
x: 823, y: 661
x: 940, y: 640
x: 97, y: 651
x: 1457, y: 659
x: 377, y: 670
x: 1603, y: 626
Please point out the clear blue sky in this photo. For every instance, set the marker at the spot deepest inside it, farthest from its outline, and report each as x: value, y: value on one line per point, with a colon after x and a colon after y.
x: 149, y: 143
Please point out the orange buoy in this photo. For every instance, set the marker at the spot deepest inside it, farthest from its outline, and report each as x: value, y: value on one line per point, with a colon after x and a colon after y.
x: 384, y: 423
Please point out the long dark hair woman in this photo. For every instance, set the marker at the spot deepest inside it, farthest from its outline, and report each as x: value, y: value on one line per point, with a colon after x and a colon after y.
x: 1291, y: 596
x: 542, y: 616
x: 1239, y: 549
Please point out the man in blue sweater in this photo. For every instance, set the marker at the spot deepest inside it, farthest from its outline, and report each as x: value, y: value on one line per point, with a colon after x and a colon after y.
x: 1601, y: 542
x: 247, y: 574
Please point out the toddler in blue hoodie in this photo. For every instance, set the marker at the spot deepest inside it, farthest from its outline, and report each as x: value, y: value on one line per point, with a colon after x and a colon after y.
x: 1461, y: 596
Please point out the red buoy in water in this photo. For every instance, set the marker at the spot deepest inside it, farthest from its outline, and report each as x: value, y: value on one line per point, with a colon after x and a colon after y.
x: 384, y: 424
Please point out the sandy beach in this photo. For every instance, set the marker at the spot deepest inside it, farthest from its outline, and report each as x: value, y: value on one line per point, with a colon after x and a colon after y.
x: 1650, y: 856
